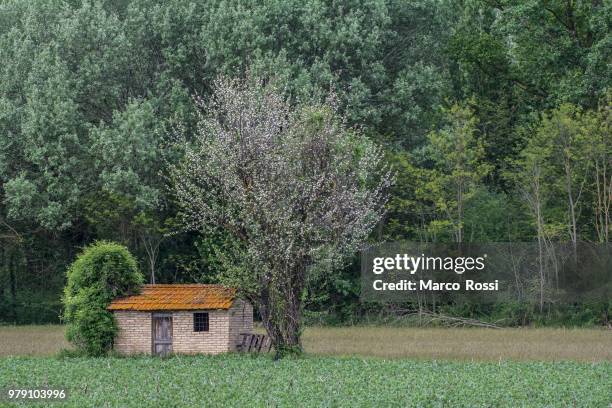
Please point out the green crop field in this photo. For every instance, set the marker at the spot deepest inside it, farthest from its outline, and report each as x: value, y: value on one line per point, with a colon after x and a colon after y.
x: 350, y: 366
x: 242, y: 380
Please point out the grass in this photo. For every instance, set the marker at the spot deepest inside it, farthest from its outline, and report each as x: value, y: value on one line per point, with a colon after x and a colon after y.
x: 545, y: 344
x: 41, y: 340
x: 353, y: 366
x: 258, y: 381
x: 386, y: 342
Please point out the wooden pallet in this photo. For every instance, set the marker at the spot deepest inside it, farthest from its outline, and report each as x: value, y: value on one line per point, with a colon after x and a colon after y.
x: 254, y: 343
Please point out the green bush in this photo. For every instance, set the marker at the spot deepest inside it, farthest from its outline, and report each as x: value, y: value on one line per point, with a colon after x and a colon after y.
x: 103, y: 271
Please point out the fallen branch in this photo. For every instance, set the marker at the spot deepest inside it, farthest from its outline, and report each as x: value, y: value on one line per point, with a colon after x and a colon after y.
x: 446, y: 320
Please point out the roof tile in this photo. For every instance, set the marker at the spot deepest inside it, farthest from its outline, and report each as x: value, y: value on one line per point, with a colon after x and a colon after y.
x: 177, y: 297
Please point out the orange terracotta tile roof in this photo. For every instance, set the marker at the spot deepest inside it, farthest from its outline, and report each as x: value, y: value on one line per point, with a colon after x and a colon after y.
x: 177, y: 297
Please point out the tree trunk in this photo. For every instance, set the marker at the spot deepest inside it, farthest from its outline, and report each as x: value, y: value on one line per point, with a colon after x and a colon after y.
x: 571, y: 204
x: 540, y: 255
x: 2, y: 269
x: 285, y: 338
x: 13, y: 286
x: 604, y: 201
x: 535, y: 201
x: 280, y: 308
x: 151, y: 245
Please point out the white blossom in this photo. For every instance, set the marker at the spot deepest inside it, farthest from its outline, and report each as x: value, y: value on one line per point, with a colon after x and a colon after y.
x: 294, y: 186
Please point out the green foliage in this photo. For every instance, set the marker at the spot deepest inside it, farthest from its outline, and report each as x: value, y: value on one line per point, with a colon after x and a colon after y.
x: 103, y: 271
x: 458, y: 168
x: 314, y: 381
x: 90, y: 89
x: 126, y: 154
x: 90, y: 85
x: 495, y: 217
x: 32, y: 306
x: 407, y: 215
x: 509, y: 313
x: 518, y: 59
x: 558, y: 174
x: 444, y: 175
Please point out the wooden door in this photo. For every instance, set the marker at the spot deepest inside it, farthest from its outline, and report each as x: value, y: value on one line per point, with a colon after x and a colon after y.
x: 162, y: 334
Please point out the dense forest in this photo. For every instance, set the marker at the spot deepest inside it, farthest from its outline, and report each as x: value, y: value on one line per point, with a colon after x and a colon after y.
x: 494, y: 114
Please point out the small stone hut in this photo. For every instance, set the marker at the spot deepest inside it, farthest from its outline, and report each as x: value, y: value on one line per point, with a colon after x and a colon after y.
x: 181, y: 319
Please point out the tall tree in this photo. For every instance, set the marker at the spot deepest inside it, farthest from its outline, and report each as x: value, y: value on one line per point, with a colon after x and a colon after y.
x: 293, y: 187
x: 529, y: 178
x: 600, y: 128
x: 567, y: 148
x: 458, y: 168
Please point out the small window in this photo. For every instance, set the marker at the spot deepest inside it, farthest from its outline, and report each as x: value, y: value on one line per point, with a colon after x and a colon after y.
x: 200, y: 322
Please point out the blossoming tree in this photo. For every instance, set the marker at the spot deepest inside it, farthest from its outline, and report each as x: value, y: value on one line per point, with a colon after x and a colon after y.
x: 293, y: 190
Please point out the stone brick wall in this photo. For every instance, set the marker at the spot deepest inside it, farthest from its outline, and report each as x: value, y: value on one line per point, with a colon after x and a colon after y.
x: 134, y: 335
x: 241, y: 321
x: 215, y: 340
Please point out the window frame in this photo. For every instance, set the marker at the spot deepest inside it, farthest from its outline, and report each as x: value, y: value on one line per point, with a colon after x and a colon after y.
x: 199, y: 325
